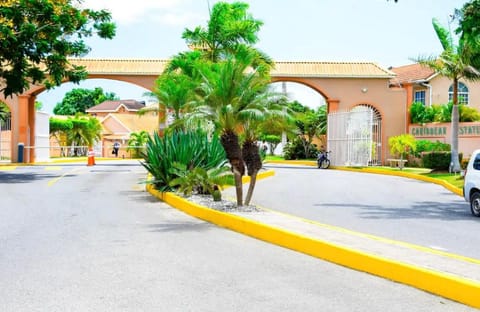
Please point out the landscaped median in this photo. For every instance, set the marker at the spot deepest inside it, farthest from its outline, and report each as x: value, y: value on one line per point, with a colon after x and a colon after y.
x: 446, y: 285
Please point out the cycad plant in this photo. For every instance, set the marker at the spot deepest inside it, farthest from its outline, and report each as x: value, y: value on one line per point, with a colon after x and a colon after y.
x: 199, y: 180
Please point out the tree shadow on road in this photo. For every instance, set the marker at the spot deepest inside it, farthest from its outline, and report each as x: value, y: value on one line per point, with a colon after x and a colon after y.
x: 180, y: 227
x: 7, y: 178
x: 447, y: 211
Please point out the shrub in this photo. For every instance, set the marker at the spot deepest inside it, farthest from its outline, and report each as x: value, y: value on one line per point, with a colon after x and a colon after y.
x: 429, y: 146
x: 295, y: 150
x: 438, y: 160
x: 191, y: 148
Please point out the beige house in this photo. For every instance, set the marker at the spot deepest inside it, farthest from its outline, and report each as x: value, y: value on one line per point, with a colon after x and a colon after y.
x: 424, y: 85
x: 119, y: 119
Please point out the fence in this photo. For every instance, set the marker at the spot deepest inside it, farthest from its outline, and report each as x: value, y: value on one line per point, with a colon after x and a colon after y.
x: 354, y: 137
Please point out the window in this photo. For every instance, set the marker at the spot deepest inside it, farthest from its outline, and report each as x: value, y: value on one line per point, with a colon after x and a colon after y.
x: 420, y: 96
x: 476, y: 162
x: 462, y: 93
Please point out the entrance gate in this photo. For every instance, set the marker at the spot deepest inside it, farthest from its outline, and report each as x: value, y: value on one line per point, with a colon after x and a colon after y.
x: 354, y: 137
x: 5, y: 139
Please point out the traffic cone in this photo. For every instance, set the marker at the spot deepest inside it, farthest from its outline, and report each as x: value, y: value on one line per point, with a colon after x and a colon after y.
x: 91, y: 157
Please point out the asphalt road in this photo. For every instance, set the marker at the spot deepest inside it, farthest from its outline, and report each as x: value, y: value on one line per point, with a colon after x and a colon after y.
x: 388, y: 206
x: 78, y: 238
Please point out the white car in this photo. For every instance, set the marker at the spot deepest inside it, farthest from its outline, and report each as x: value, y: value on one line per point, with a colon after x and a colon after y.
x: 471, y: 185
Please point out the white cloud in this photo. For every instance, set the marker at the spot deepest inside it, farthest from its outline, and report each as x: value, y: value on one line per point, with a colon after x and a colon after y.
x: 127, y: 11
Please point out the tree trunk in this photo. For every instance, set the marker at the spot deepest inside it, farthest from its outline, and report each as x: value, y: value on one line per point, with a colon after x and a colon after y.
x: 455, y: 163
x: 231, y: 145
x: 251, y: 187
x: 251, y: 156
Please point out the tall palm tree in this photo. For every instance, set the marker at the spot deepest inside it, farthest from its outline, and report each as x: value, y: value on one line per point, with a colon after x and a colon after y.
x: 454, y: 63
x: 232, y: 94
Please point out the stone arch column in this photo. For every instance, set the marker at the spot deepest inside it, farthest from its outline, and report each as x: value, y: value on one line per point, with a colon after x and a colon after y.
x: 24, y: 126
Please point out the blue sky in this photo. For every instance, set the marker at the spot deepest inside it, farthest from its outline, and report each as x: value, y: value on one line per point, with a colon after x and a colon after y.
x: 380, y: 31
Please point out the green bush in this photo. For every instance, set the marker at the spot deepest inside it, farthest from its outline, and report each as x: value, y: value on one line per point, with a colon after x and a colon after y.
x: 438, y: 160
x: 190, y: 149
x: 429, y: 146
x: 295, y: 150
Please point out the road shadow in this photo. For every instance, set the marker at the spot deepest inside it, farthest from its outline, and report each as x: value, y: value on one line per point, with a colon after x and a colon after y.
x: 8, y: 178
x: 426, y: 210
x: 180, y: 227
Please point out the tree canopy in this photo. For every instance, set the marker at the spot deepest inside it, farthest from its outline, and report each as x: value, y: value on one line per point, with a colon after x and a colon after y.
x: 78, y: 100
x: 38, y: 37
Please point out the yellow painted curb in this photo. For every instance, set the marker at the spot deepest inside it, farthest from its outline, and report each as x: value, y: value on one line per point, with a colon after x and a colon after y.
x: 445, y: 285
x: 442, y: 284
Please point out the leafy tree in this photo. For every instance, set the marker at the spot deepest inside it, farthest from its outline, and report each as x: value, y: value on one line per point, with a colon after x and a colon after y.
x: 85, y: 131
x: 402, y: 145
x: 136, y: 143
x: 310, y: 124
x: 38, y: 36
x: 454, y: 63
x: 59, y: 129
x: 79, y: 100
x: 4, y: 112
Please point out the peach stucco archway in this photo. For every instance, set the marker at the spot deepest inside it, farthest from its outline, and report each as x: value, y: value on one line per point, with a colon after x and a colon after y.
x: 342, y: 84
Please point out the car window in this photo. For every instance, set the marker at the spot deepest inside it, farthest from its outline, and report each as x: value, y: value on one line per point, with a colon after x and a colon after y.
x: 476, y: 162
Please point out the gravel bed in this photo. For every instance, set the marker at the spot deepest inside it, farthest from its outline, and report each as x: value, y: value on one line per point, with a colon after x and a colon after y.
x: 223, y: 205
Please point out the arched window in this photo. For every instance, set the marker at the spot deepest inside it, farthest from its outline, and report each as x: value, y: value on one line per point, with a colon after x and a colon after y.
x: 462, y: 93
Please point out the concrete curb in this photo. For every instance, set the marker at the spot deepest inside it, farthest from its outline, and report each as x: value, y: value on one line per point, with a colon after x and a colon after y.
x: 439, y: 283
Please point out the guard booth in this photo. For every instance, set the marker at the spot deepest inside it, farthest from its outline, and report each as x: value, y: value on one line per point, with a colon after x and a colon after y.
x: 6, y: 139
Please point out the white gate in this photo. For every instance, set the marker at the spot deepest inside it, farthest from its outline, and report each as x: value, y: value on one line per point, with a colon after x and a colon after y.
x: 354, y: 137
x: 5, y: 139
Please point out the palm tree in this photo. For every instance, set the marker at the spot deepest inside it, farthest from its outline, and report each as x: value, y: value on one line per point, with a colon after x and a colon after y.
x: 231, y: 96
x: 173, y: 91
x: 136, y: 143
x: 454, y: 63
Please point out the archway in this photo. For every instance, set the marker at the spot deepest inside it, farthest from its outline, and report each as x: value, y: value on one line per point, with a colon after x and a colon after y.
x: 304, y: 94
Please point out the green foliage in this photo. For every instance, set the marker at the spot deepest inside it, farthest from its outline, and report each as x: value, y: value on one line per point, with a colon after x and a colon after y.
x: 136, y: 143
x: 200, y: 180
x: 295, y: 149
x: 60, y: 125
x: 4, y: 112
x: 421, y: 114
x: 272, y: 140
x: 401, y: 145
x: 437, y: 160
x: 229, y: 25
x: 37, y: 37
x: 429, y: 146
x: 468, y: 114
x: 78, y: 100
x: 190, y: 148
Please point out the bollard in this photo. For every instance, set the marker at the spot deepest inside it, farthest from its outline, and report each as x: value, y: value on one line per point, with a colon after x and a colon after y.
x: 21, y: 149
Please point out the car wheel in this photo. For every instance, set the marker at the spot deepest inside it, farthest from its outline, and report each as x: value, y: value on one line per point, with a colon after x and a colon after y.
x: 475, y: 204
